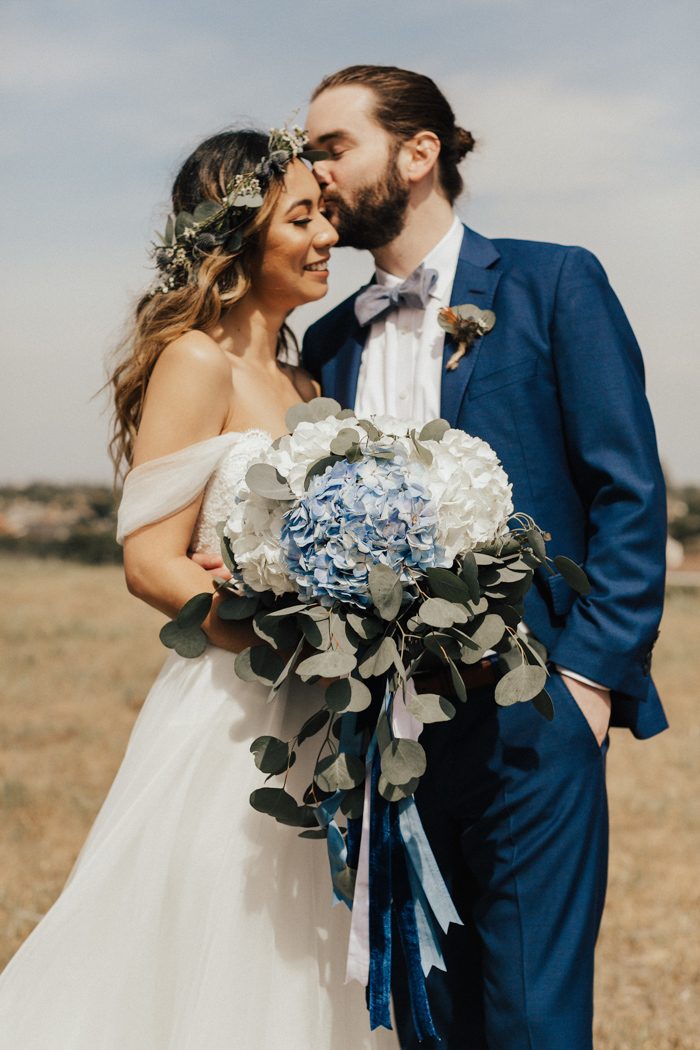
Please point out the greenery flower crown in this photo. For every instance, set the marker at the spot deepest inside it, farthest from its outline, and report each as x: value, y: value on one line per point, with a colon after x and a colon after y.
x: 190, y: 236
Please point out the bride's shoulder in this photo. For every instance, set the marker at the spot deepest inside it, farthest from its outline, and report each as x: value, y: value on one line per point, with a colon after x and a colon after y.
x: 194, y: 353
x: 187, y: 396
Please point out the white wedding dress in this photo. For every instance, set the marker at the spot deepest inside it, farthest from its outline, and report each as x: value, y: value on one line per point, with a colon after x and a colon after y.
x: 190, y: 921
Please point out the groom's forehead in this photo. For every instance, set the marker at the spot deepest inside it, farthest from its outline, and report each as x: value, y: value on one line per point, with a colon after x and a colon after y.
x: 342, y: 111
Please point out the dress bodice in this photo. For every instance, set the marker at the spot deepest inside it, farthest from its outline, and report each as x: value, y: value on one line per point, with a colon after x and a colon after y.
x: 224, y: 486
x: 161, y: 487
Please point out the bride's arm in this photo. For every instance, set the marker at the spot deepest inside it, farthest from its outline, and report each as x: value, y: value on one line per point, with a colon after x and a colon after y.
x: 187, y: 401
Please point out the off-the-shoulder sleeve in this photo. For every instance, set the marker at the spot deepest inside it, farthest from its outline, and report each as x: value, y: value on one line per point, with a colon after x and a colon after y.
x: 163, y: 486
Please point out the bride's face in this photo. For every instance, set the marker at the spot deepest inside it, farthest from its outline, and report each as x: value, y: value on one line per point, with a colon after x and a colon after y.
x: 293, y: 266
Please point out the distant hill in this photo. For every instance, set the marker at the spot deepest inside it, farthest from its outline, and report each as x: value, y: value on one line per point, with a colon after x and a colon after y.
x: 77, y: 522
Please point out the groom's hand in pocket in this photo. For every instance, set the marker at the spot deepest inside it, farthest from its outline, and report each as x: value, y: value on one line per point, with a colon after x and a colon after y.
x: 594, y: 702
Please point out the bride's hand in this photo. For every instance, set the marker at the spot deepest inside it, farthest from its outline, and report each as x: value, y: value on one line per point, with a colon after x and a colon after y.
x: 212, y: 564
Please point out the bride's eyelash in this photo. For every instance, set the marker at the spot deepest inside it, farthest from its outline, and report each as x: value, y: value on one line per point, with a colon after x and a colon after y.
x: 301, y: 222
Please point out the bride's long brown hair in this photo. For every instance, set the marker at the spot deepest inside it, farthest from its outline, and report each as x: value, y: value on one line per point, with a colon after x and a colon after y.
x: 223, y: 279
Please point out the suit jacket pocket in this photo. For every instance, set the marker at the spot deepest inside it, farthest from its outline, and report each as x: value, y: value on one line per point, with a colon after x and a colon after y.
x: 518, y: 371
x: 563, y: 596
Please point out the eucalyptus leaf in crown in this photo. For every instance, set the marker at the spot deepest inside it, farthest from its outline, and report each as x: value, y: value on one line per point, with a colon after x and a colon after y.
x: 191, y: 236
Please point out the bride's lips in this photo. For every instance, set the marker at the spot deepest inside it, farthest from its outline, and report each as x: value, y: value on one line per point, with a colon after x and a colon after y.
x: 320, y: 267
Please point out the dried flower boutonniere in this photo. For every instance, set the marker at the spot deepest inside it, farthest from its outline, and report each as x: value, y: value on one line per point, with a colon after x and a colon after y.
x: 465, y: 324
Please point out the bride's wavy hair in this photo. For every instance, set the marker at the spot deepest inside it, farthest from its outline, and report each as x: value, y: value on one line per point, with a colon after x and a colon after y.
x: 222, y: 279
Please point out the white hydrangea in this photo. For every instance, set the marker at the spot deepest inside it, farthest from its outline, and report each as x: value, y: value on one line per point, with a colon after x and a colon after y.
x: 298, y: 451
x: 468, y: 483
x: 472, y: 492
x: 254, y: 528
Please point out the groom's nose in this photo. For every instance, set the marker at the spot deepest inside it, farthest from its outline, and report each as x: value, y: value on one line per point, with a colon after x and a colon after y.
x: 322, y: 174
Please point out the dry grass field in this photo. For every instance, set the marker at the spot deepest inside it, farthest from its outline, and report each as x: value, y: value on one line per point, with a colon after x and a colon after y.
x: 77, y: 655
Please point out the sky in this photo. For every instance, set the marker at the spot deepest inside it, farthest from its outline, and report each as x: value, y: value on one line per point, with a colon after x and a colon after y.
x: 585, y: 116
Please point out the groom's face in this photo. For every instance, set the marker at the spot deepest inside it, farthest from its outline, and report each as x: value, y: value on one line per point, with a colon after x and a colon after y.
x: 365, y: 195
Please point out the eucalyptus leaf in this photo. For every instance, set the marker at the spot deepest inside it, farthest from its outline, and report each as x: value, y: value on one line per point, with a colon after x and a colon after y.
x: 520, y: 684
x: 430, y: 707
x: 274, y: 801
x: 339, y: 772
x: 368, y: 426
x: 489, y: 632
x: 396, y: 792
x: 402, y: 760
x: 264, y: 480
x: 438, y: 612
x: 365, y: 626
x: 311, y: 411
x: 536, y: 541
x: 258, y: 663
x: 233, y: 607
x: 347, y: 694
x: 271, y: 754
x: 446, y: 646
x: 169, y: 237
x: 470, y: 574
x: 182, y: 221
x: 195, y: 611
x: 573, y: 574
x: 303, y: 817
x: 313, y: 725
x: 339, y: 634
x: 280, y: 634
x: 386, y: 590
x: 188, y: 642
x: 329, y: 664
x: 319, y: 467
x: 316, y: 632
x: 378, y: 658
x: 423, y: 452
x: 446, y: 584
x: 435, y: 430
x: 286, y: 671
x: 345, y: 413
x: 206, y: 210
x: 344, y: 441
x: 543, y: 704
x: 457, y: 682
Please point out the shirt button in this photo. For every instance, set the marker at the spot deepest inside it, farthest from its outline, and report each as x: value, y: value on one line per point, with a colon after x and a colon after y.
x: 403, y: 395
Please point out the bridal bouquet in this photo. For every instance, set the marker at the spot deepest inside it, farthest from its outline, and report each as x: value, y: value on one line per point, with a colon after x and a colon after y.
x: 366, y: 551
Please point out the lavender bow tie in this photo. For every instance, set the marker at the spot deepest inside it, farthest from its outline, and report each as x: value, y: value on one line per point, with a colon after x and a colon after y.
x: 377, y: 300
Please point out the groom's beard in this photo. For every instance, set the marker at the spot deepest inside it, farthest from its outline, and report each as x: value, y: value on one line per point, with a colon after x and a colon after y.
x: 376, y: 215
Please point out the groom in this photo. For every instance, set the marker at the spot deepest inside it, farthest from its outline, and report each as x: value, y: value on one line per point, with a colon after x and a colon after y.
x: 514, y: 806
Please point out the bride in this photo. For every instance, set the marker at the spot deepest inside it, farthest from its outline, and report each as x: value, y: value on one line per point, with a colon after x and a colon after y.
x: 191, y: 922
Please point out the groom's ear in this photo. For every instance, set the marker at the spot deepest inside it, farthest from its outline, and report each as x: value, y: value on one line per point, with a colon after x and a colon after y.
x: 419, y: 155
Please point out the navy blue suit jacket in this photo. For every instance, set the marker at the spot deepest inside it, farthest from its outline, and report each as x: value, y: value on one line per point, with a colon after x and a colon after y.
x: 557, y: 390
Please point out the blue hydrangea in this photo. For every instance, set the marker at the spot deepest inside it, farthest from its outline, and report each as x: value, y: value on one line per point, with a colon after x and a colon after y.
x: 353, y: 516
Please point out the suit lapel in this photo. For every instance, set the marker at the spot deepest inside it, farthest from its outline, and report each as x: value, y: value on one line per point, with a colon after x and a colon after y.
x: 347, y: 368
x: 475, y: 282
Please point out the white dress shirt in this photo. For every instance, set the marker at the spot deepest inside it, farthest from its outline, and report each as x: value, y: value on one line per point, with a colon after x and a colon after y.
x: 401, y: 366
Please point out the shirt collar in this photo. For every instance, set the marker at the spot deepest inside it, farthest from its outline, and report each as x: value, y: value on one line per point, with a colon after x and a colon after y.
x: 443, y: 258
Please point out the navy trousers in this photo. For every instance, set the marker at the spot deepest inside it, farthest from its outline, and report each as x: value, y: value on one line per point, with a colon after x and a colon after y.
x: 515, y: 809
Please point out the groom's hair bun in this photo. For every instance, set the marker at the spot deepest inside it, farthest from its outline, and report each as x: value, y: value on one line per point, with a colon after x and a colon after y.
x: 464, y: 143
x: 407, y: 103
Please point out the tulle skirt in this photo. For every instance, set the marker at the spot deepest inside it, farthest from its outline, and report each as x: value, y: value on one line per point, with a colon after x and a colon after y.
x: 191, y: 922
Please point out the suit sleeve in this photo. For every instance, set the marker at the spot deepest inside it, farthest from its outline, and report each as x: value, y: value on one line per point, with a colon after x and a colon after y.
x: 612, y: 452
x: 309, y: 355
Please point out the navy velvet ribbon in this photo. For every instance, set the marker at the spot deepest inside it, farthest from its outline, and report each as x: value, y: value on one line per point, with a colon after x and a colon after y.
x: 405, y: 915
x: 379, y: 987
